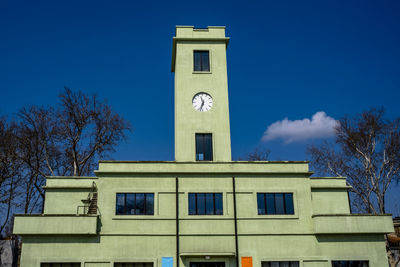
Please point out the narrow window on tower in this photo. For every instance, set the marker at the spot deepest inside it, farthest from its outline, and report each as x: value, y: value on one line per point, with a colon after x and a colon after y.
x: 204, y: 147
x: 201, y: 60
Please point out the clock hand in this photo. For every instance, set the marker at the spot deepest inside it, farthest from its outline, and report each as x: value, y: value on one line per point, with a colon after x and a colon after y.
x: 202, y: 104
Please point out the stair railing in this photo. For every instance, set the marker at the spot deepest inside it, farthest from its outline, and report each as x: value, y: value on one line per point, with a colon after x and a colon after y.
x: 88, y: 202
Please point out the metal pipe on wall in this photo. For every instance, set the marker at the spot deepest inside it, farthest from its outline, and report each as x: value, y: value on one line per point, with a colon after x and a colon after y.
x: 235, y: 220
x: 177, y: 220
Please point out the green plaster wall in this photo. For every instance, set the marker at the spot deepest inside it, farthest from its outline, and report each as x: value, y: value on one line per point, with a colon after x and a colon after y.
x: 148, y: 238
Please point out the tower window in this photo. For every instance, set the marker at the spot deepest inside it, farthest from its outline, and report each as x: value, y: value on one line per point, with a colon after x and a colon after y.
x: 201, y: 60
x: 204, y: 147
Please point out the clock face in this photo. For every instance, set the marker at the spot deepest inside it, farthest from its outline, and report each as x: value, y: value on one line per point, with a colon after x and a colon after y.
x: 202, y: 102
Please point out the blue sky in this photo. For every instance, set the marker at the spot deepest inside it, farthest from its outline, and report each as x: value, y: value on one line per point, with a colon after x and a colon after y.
x: 286, y: 59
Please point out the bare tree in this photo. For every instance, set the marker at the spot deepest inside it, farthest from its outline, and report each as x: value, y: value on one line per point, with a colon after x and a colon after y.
x: 90, y: 129
x: 40, y: 152
x: 259, y: 154
x: 366, y: 151
x: 67, y: 139
x: 9, y: 171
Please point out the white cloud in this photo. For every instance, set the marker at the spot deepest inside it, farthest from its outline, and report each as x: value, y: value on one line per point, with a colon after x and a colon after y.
x: 320, y: 126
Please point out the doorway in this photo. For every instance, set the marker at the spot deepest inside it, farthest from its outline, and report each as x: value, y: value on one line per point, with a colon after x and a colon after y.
x: 207, y: 264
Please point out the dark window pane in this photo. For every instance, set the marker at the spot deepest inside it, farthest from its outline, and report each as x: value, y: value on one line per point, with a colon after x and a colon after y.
x: 135, y: 204
x: 210, y: 204
x: 205, y: 204
x: 270, y: 204
x: 197, y: 61
x: 289, y: 203
x: 192, y: 203
x: 280, y: 264
x: 279, y: 203
x: 199, y: 147
x: 120, y: 209
x: 350, y: 264
x: 261, y: 203
x: 133, y: 264
x: 139, y: 204
x: 204, y: 147
x: 218, y: 204
x: 201, y: 60
x: 76, y: 264
x: 201, y: 208
x: 130, y: 204
x: 208, y: 147
x: 205, y: 62
x: 149, y: 204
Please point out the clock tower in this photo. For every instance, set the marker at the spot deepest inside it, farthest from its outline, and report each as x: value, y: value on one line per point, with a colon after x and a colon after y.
x: 202, y: 131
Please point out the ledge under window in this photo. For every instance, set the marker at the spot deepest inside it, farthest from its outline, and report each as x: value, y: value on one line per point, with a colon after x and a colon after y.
x: 201, y: 72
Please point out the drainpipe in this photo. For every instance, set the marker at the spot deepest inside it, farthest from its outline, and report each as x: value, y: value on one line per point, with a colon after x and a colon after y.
x: 235, y: 220
x: 177, y: 220
x: 348, y: 198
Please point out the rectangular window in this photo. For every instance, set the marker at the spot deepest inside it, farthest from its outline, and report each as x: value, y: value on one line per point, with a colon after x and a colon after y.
x: 205, y: 204
x: 135, y: 204
x: 280, y: 264
x: 133, y: 264
x: 350, y: 264
x: 61, y: 264
x: 275, y: 203
x: 201, y: 60
x: 204, y: 147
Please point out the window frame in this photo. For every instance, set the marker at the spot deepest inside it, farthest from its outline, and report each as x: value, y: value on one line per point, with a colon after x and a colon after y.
x: 212, y: 145
x: 116, y: 263
x: 205, y: 204
x: 336, y: 260
x: 135, y: 207
x: 201, y: 65
x: 278, y: 215
x: 51, y: 263
x: 281, y: 261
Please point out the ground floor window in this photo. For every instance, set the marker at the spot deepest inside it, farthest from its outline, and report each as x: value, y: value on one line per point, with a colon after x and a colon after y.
x: 207, y: 264
x: 133, y: 264
x: 280, y: 264
x: 350, y: 264
x: 61, y: 264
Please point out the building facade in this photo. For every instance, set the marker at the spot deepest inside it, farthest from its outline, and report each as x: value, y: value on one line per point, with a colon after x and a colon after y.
x: 203, y: 209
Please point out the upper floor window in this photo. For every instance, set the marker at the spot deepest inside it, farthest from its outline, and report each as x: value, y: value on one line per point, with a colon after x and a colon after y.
x: 204, y: 147
x: 275, y: 203
x: 280, y: 264
x: 135, y: 204
x: 205, y: 204
x: 201, y: 60
x: 350, y: 264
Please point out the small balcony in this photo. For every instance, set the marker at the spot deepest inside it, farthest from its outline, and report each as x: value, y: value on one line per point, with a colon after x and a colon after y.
x: 55, y: 224
x: 352, y: 224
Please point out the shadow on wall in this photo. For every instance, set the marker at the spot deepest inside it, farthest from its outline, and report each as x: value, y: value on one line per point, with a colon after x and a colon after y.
x: 9, y: 252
